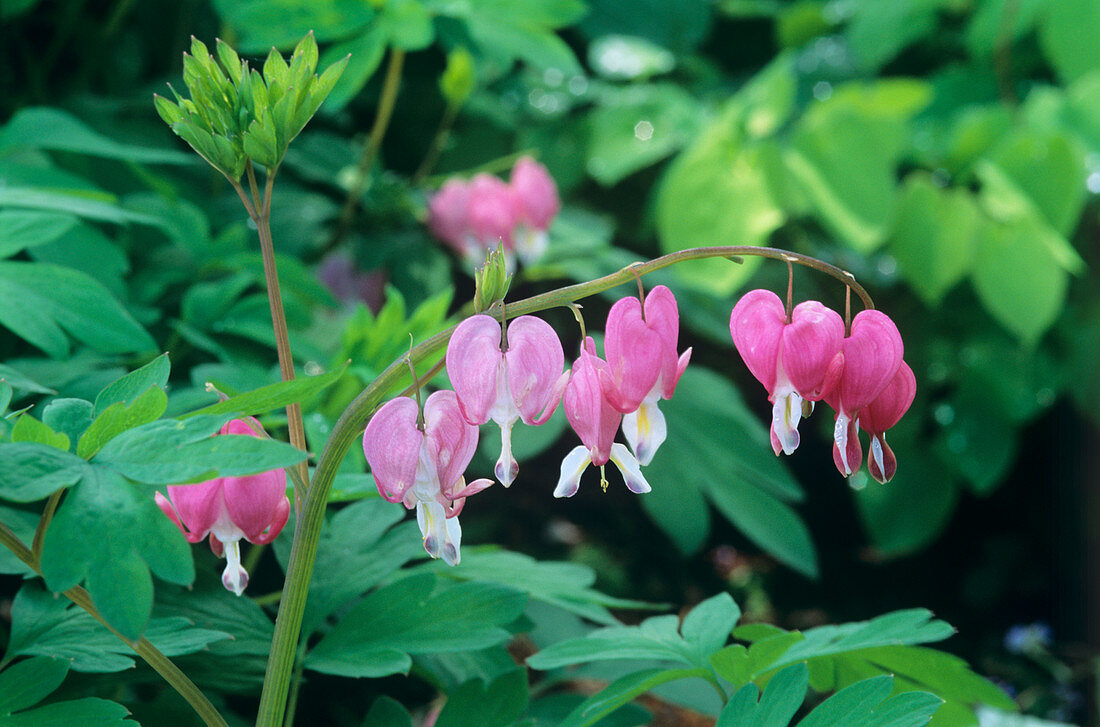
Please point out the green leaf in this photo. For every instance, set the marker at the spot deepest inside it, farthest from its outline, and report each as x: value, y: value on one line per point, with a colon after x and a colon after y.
x: 623, y: 690
x: 565, y: 585
x: 40, y: 127
x: 21, y: 229
x: 22, y: 382
x: 709, y: 624
x: 116, y: 568
x: 721, y: 449
x: 119, y: 417
x: 271, y: 397
x: 935, y: 237
x: 33, y: 471
x: 879, y: 31
x: 174, y: 452
x: 71, y: 416
x: 93, y: 206
x: 44, y: 625
x: 1017, y: 278
x: 29, y: 429
x: 134, y: 384
x: 263, y: 24
x: 38, y: 302
x: 86, y: 712
x: 778, y: 704
x: 476, y: 704
x: 715, y: 193
x: 408, y: 24
x: 850, y: 703
x: 387, y: 712
x: 1050, y: 169
x: 416, y: 615
x: 1066, y: 31
x: 366, y: 52
x: 28, y: 682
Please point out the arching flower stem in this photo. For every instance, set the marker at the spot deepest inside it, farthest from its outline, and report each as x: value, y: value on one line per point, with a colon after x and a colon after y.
x: 303, y: 553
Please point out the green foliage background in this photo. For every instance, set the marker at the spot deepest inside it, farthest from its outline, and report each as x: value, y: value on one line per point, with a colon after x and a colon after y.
x: 947, y: 152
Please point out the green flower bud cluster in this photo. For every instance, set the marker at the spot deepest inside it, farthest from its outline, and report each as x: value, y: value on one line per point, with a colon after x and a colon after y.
x: 491, y: 280
x: 236, y: 114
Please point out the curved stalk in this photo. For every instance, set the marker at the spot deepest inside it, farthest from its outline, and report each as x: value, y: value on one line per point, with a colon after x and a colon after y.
x: 149, y: 653
x: 303, y: 552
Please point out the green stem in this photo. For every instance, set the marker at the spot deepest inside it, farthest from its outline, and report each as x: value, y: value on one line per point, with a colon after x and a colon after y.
x: 386, y: 103
x: 438, y: 142
x: 149, y: 653
x: 278, y: 319
x: 303, y: 551
x: 43, y: 523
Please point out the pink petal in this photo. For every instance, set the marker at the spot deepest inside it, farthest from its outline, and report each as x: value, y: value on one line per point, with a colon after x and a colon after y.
x: 882, y: 463
x: 198, y: 506
x: 535, y: 362
x: 807, y: 346
x: 447, y: 213
x: 663, y: 316
x: 756, y: 324
x: 254, y: 501
x: 634, y: 355
x: 592, y: 418
x: 872, y: 354
x: 892, y: 403
x: 536, y: 192
x: 473, y: 365
x: 391, y: 444
x: 492, y: 211
x: 450, y: 439
x: 166, y: 507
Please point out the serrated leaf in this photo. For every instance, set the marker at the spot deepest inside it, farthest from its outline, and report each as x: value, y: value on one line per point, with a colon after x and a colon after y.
x: 44, y: 625
x: 33, y: 471
x: 116, y: 568
x: 119, y: 417
x: 412, y: 616
x: 709, y: 624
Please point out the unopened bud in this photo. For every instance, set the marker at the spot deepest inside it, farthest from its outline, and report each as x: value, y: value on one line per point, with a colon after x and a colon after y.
x: 491, y: 280
x: 458, y: 79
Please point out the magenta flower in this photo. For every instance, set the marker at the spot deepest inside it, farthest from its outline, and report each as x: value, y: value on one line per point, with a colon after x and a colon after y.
x: 228, y: 509
x: 796, y: 361
x: 881, y: 414
x: 872, y: 354
x: 521, y: 379
x: 423, y: 467
x: 595, y: 421
x: 643, y: 366
x: 537, y: 200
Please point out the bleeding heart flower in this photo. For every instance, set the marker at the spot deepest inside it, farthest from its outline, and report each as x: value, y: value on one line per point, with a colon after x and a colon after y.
x: 881, y: 414
x: 447, y: 214
x: 595, y: 421
x: 519, y: 377
x: 643, y: 366
x: 537, y: 199
x: 796, y: 361
x: 872, y: 355
x: 421, y: 465
x: 228, y: 509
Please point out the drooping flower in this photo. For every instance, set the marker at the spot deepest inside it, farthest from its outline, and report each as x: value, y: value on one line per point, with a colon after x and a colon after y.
x: 474, y: 217
x: 228, y: 509
x: 423, y: 467
x: 796, y: 360
x: 518, y: 377
x: 537, y: 204
x: 595, y: 421
x: 447, y: 214
x: 643, y: 366
x: 881, y: 414
x: 872, y: 354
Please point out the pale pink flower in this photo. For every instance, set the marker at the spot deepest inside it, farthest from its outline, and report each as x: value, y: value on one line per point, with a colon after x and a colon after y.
x: 537, y: 200
x: 520, y: 380
x: 228, y: 509
x: 423, y: 468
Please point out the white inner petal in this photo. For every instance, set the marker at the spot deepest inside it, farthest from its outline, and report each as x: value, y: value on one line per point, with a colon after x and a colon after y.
x: 572, y: 467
